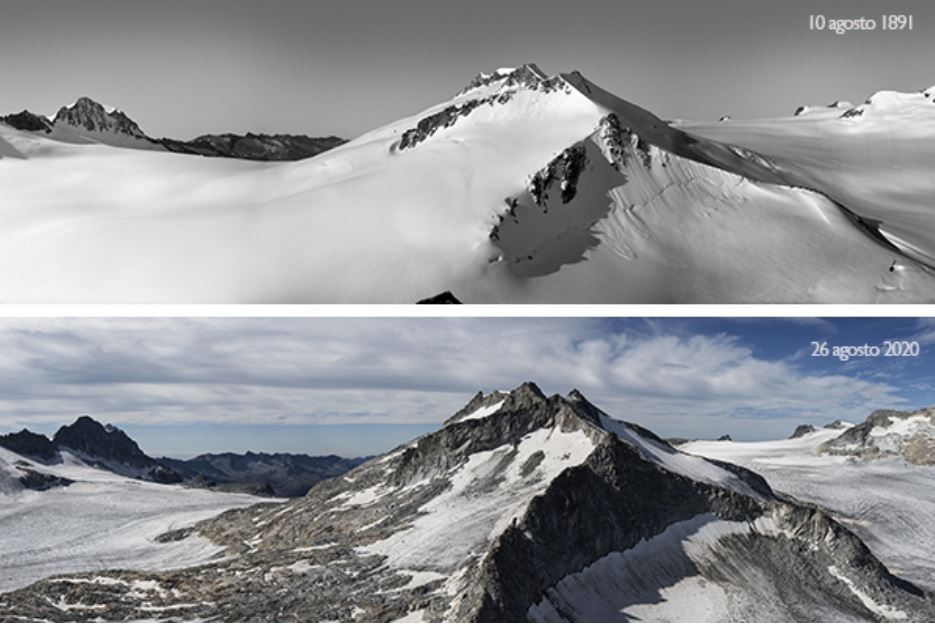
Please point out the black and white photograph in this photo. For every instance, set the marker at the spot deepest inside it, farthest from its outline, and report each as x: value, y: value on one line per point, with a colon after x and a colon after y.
x: 477, y: 152
x: 464, y: 469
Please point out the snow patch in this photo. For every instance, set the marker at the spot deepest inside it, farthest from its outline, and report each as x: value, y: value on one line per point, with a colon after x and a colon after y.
x: 884, y: 611
x: 482, y: 412
x: 486, y: 494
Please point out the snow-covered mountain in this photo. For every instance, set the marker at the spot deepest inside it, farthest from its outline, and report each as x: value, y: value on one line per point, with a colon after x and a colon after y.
x: 524, y: 187
x: 877, y: 491
x: 88, y: 119
x: 109, y: 448
x: 521, y: 507
x: 910, y: 435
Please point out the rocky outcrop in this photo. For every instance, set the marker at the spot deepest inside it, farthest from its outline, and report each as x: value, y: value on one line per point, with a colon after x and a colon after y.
x: 90, y: 438
x: 264, y: 147
x: 28, y: 444
x: 526, y: 78
x: 442, y: 298
x: 563, y: 172
x: 27, y: 121
x: 889, y: 433
x: 802, y: 430
x: 40, y: 481
x: 89, y: 115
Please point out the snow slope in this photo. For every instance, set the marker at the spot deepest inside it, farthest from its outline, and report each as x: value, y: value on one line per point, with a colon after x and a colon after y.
x: 408, y: 211
x: 881, y: 500
x: 875, y: 158
x: 101, y: 521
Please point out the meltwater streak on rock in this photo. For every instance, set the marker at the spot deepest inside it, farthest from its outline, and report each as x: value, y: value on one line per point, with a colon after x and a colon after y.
x: 522, y: 506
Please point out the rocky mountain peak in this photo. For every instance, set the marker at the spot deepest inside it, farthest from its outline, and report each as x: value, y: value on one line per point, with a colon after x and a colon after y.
x: 95, y: 117
x: 528, y: 75
x: 29, y: 444
x: 28, y: 121
x: 91, y: 439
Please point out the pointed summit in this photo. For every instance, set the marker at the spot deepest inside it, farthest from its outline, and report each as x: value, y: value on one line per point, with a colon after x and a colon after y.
x: 92, y: 116
x: 109, y: 447
x: 91, y: 439
x: 527, y: 75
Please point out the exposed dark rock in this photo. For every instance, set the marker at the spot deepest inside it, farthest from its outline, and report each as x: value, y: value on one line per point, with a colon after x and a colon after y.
x: 28, y: 121
x: 264, y: 147
x: 528, y: 77
x: 93, y: 440
x: 916, y: 446
x: 270, y: 474
x: 802, y: 430
x: 564, y: 171
x: 90, y: 115
x: 725, y: 438
x: 40, y: 481
x: 444, y: 298
x: 87, y: 115
x: 29, y: 444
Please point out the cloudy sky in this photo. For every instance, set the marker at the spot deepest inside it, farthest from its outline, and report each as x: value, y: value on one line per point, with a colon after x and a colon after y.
x: 360, y: 386
x: 186, y: 67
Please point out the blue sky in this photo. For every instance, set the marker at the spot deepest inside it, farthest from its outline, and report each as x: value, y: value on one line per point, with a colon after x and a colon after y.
x: 360, y: 386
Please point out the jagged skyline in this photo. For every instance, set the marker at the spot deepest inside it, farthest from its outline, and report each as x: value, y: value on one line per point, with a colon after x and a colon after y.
x: 182, y: 69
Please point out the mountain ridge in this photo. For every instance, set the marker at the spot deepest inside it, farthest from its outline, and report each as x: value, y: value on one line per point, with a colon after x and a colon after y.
x: 88, y: 119
x: 109, y: 448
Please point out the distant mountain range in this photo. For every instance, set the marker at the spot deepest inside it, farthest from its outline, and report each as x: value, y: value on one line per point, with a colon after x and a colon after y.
x: 89, y: 120
x: 109, y: 448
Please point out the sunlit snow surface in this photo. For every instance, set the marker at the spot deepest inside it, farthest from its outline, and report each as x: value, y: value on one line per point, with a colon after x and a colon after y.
x: 464, y: 517
x: 887, y: 502
x: 102, y: 521
x: 367, y: 222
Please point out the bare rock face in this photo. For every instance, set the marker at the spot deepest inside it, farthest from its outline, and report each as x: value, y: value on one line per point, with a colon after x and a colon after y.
x: 516, y: 498
x: 265, y: 147
x: 91, y: 116
x: 889, y: 433
x: 28, y: 121
x: 29, y: 444
x: 802, y: 430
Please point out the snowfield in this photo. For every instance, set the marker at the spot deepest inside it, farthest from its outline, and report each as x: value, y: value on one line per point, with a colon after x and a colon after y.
x: 882, y: 500
x: 733, y: 212
x: 101, y: 521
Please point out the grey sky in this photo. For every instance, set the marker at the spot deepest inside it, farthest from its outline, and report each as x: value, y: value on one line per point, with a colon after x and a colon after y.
x: 186, y: 67
x: 360, y: 386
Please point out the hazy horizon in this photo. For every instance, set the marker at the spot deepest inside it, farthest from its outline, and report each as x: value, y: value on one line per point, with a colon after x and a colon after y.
x: 352, y: 387
x: 182, y: 68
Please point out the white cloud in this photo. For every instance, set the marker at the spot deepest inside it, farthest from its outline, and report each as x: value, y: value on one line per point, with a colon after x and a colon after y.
x: 403, y: 371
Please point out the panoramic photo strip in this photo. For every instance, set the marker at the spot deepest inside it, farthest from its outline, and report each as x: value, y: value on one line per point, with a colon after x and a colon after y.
x: 481, y: 152
x: 405, y: 469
